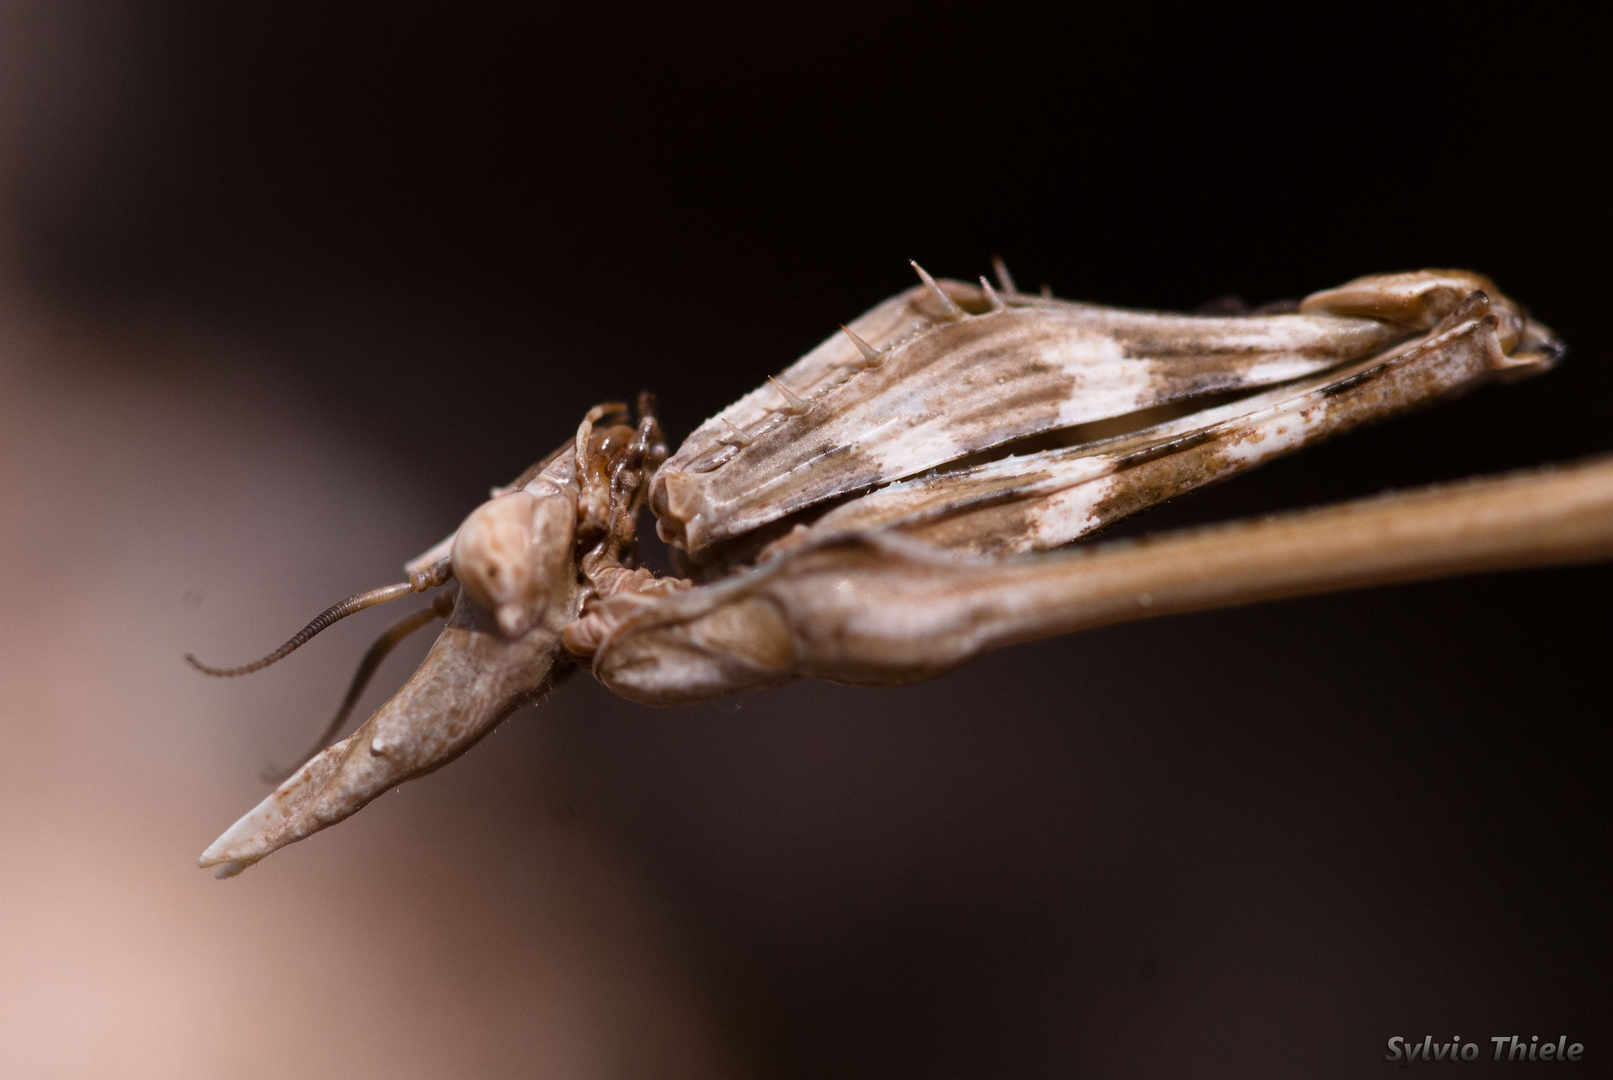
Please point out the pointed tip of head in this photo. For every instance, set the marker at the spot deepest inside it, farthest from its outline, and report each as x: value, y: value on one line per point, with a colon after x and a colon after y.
x: 244, y: 842
x: 226, y: 867
x: 214, y: 854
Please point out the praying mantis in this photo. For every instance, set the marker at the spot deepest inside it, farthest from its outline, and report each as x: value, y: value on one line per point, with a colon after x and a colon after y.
x: 912, y: 493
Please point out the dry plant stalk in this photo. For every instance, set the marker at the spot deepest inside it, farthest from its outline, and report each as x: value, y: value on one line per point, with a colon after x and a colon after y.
x: 885, y: 510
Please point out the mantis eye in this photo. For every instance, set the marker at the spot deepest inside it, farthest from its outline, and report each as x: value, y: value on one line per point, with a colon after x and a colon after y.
x: 512, y: 556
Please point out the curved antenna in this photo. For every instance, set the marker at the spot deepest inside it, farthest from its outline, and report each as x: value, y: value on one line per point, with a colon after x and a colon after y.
x: 419, y: 581
x: 389, y: 640
x: 334, y: 613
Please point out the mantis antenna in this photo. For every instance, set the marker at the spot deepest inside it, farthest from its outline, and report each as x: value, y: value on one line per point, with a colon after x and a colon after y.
x: 389, y: 640
x: 419, y: 581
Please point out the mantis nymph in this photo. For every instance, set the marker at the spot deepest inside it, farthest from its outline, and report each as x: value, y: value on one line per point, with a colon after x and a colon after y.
x: 903, y: 498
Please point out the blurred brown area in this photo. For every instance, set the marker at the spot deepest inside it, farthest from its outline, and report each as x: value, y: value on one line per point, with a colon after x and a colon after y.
x: 161, y: 496
x: 283, y: 291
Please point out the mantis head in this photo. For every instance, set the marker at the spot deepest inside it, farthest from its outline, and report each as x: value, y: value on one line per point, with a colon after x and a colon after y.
x: 513, y: 555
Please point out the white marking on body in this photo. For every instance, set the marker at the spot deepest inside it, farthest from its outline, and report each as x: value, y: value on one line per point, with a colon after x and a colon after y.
x: 1068, y: 514
x: 1107, y: 383
x: 1274, y: 371
x: 1276, y: 434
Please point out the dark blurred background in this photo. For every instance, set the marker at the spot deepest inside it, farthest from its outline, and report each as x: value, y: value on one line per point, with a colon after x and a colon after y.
x: 1258, y: 842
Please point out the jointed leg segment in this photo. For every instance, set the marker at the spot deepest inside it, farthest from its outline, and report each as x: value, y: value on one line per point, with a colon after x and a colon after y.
x: 882, y: 609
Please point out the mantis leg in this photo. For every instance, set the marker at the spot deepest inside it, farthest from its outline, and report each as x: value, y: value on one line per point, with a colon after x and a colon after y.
x: 882, y: 609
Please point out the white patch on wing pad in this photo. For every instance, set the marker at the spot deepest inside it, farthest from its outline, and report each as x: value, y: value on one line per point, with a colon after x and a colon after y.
x: 1106, y: 382
x: 1274, y: 432
x: 1068, y: 515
